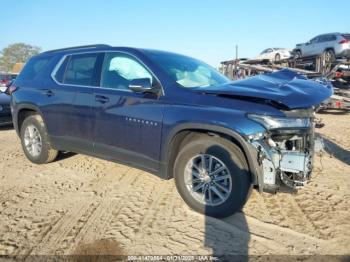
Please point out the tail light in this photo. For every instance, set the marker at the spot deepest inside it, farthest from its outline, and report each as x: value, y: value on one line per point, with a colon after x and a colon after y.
x: 338, y: 104
x: 344, y: 41
x: 339, y: 74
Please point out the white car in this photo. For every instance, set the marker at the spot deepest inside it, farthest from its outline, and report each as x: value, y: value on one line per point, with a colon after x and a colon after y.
x: 274, y: 54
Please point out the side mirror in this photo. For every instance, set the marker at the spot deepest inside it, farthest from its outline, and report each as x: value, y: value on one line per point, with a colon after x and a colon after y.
x: 308, y: 42
x: 141, y: 85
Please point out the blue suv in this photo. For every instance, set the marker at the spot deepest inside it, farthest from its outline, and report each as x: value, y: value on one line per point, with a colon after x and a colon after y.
x: 173, y: 116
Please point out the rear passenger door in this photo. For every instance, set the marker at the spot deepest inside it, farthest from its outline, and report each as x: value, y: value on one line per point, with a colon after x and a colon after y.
x: 79, y: 73
x: 128, y: 124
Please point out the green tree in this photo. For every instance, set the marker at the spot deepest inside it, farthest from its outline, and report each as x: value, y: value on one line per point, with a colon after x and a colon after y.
x: 16, y: 53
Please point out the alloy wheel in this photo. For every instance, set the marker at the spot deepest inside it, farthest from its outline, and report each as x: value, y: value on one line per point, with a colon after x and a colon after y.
x: 32, y: 140
x: 208, y: 180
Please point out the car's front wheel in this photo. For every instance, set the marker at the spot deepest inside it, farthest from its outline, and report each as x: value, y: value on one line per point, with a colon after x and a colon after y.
x: 35, y: 141
x: 297, y: 55
x: 277, y: 57
x: 212, y: 176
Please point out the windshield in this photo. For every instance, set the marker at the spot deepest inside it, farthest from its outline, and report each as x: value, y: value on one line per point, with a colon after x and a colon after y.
x: 186, y: 71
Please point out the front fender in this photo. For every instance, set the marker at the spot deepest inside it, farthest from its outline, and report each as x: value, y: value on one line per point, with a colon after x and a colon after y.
x: 248, y: 150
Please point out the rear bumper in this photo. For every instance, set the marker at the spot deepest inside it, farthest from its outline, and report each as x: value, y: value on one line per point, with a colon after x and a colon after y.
x: 344, y: 54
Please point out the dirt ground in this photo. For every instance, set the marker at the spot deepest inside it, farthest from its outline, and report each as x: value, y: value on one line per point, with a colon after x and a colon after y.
x: 83, y: 205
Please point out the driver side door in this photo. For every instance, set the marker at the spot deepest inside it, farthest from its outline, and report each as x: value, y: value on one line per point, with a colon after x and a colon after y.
x: 127, y: 124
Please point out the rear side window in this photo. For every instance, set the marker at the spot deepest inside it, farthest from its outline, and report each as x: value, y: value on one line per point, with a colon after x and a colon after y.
x: 33, y: 67
x: 79, y: 70
x: 327, y: 38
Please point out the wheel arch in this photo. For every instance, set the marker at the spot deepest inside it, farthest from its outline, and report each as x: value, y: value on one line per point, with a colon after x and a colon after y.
x: 329, y: 48
x: 179, y: 135
x: 22, y: 112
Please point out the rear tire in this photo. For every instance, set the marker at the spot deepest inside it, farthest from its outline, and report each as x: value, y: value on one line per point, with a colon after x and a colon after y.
x: 222, y: 194
x: 35, y: 141
x: 329, y: 56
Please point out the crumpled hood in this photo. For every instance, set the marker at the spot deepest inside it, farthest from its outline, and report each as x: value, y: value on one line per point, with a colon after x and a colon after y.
x: 285, y: 88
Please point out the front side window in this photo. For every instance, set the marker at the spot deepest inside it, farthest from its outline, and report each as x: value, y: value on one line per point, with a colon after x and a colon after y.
x: 79, y: 70
x: 314, y: 40
x: 186, y: 71
x: 119, y: 70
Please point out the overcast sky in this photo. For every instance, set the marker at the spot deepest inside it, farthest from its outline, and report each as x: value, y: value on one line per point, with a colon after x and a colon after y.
x: 208, y: 30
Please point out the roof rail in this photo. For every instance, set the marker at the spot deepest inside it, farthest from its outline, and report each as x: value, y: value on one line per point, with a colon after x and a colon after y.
x: 77, y: 47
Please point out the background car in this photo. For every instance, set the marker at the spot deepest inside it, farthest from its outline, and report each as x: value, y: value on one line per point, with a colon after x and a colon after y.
x: 274, y: 54
x: 5, y: 79
x: 5, y: 110
x: 332, y: 45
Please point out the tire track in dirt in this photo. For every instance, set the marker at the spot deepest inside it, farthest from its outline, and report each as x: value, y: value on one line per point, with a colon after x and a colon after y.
x: 129, y: 222
x: 85, y: 207
x: 101, y: 216
x: 5, y: 195
x: 283, y: 213
x: 156, y: 219
x: 154, y: 209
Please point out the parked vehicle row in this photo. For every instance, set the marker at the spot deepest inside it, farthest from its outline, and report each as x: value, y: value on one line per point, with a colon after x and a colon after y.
x: 331, y: 45
x: 173, y: 116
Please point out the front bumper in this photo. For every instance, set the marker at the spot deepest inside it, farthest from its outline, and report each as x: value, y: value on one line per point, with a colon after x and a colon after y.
x: 285, y: 158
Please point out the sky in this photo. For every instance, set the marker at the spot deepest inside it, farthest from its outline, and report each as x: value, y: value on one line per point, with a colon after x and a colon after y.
x: 205, y: 29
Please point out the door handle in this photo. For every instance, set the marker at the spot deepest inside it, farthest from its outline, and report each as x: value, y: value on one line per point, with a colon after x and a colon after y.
x: 47, y: 92
x: 101, y: 99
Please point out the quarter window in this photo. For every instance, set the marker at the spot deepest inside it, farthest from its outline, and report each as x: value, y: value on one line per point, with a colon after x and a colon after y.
x: 33, y: 67
x: 119, y: 70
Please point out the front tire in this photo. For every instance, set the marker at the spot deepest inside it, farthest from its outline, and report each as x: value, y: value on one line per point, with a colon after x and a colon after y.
x: 297, y: 55
x: 277, y: 57
x: 212, y: 176
x: 35, y: 141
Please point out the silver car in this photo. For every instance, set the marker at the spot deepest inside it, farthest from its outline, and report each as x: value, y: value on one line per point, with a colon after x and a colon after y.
x: 332, y: 45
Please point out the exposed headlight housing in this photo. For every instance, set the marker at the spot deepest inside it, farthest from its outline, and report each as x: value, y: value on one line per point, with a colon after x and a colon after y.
x: 273, y: 122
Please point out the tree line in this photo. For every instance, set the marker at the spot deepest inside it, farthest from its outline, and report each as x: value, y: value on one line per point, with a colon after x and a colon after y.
x: 16, y: 53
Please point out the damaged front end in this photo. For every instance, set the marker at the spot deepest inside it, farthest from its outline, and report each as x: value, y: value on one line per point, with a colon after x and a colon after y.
x: 285, y: 152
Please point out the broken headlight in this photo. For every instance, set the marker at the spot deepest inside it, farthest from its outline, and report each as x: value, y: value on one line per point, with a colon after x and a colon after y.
x: 273, y: 122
